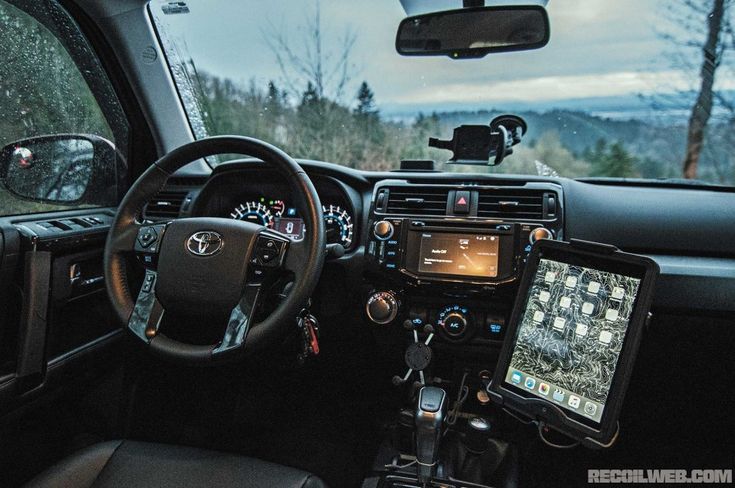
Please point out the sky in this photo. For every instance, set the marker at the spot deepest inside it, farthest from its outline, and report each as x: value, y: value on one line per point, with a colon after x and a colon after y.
x: 598, y: 48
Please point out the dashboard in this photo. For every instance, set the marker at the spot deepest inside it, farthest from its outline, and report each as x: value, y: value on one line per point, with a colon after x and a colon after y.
x: 446, y: 249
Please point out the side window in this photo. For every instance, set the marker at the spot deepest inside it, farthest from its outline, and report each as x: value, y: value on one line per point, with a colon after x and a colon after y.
x: 63, y: 133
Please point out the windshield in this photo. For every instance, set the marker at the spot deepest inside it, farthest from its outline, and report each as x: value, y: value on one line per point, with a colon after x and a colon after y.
x: 622, y: 89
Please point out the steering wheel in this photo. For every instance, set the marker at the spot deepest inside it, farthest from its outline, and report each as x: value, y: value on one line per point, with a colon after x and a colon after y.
x: 210, y: 266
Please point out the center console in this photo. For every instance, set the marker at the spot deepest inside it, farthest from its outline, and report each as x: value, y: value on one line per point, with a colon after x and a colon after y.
x: 450, y: 256
x: 443, y: 266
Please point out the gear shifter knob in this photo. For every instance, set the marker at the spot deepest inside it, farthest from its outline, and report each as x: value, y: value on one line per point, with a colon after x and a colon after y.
x: 429, y: 417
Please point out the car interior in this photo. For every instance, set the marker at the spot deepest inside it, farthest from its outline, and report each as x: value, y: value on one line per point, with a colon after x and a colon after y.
x: 207, y: 282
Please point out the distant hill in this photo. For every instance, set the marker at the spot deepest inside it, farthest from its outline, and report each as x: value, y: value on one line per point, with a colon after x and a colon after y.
x: 579, y: 130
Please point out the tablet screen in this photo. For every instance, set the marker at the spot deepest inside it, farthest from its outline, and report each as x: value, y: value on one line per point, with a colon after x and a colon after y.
x: 570, y: 336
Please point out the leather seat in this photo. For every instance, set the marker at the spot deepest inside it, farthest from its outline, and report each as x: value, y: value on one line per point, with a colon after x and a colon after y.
x: 141, y: 464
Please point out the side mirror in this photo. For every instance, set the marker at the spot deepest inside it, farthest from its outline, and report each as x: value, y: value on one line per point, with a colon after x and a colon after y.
x: 66, y: 169
x: 474, y: 32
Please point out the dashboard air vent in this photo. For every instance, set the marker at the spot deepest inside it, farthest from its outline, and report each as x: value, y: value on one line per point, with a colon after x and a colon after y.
x: 417, y: 201
x: 166, y: 204
x: 514, y: 204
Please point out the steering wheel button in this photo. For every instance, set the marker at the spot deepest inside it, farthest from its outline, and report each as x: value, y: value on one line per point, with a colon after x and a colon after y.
x: 266, y: 256
x: 147, y: 236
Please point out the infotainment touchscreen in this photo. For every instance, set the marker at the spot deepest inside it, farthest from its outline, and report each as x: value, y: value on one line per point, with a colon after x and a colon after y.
x: 459, y: 254
x: 574, y: 334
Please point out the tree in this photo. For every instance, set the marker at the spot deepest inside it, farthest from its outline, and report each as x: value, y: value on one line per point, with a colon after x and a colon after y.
x: 327, y: 70
x: 310, y: 97
x: 702, y: 108
x: 613, y: 161
x: 365, y: 101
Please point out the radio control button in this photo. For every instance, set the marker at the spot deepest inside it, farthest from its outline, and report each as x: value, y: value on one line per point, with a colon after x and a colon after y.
x: 383, y: 230
x: 540, y: 233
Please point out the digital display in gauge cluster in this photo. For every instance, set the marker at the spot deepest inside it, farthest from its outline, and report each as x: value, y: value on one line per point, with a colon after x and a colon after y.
x: 278, y: 215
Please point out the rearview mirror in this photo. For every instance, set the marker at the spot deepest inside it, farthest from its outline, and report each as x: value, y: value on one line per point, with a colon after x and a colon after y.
x: 474, y: 32
x: 64, y: 169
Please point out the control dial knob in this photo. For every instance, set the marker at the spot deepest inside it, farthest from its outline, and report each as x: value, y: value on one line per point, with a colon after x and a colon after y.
x: 540, y: 233
x: 382, y: 307
x: 383, y: 230
x: 454, y: 321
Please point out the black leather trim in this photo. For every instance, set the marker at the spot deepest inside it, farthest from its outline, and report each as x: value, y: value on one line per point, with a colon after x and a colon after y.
x: 142, y: 464
x: 191, y: 353
x: 80, y: 470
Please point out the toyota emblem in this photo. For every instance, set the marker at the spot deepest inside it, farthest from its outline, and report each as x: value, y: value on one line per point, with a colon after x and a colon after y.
x: 205, y: 243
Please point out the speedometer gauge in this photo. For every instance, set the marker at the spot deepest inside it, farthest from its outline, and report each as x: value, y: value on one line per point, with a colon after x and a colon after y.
x: 254, y: 212
x: 339, y: 225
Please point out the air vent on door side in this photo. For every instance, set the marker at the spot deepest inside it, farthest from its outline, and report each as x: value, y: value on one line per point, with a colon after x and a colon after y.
x: 417, y: 201
x: 514, y: 204
x: 165, y: 205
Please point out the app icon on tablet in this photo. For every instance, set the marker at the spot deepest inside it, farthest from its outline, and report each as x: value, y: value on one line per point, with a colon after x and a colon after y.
x: 618, y: 293
x: 590, y: 408
x: 558, y: 395
x: 573, y: 401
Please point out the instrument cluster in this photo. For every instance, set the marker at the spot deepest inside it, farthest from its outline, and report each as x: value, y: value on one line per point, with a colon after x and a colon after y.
x: 277, y: 214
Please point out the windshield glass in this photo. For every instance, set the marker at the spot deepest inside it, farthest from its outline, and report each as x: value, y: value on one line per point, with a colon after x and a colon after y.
x: 621, y: 90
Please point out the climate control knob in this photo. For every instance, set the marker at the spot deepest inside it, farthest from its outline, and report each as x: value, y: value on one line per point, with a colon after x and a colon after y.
x: 455, y: 324
x: 540, y: 233
x: 383, y: 230
x: 382, y: 307
x: 454, y: 321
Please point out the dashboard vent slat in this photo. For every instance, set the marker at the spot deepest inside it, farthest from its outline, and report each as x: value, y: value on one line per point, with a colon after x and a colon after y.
x: 165, y: 205
x: 512, y: 204
x: 417, y: 201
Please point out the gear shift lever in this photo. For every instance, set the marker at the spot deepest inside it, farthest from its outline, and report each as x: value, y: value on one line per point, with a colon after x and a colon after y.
x: 429, y: 418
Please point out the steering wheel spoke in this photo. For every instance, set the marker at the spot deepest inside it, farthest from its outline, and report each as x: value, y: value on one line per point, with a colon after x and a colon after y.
x: 296, y: 257
x: 148, y: 311
x: 240, y: 319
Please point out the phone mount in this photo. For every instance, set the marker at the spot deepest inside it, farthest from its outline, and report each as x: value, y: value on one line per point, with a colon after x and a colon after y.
x: 478, y: 144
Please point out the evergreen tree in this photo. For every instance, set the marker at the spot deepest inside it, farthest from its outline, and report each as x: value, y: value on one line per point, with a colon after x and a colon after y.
x: 613, y: 161
x: 273, y: 101
x: 310, y: 97
x: 365, y: 101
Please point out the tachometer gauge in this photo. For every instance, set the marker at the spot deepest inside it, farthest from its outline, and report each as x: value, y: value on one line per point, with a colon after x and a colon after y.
x: 277, y: 207
x: 339, y: 225
x: 254, y: 212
